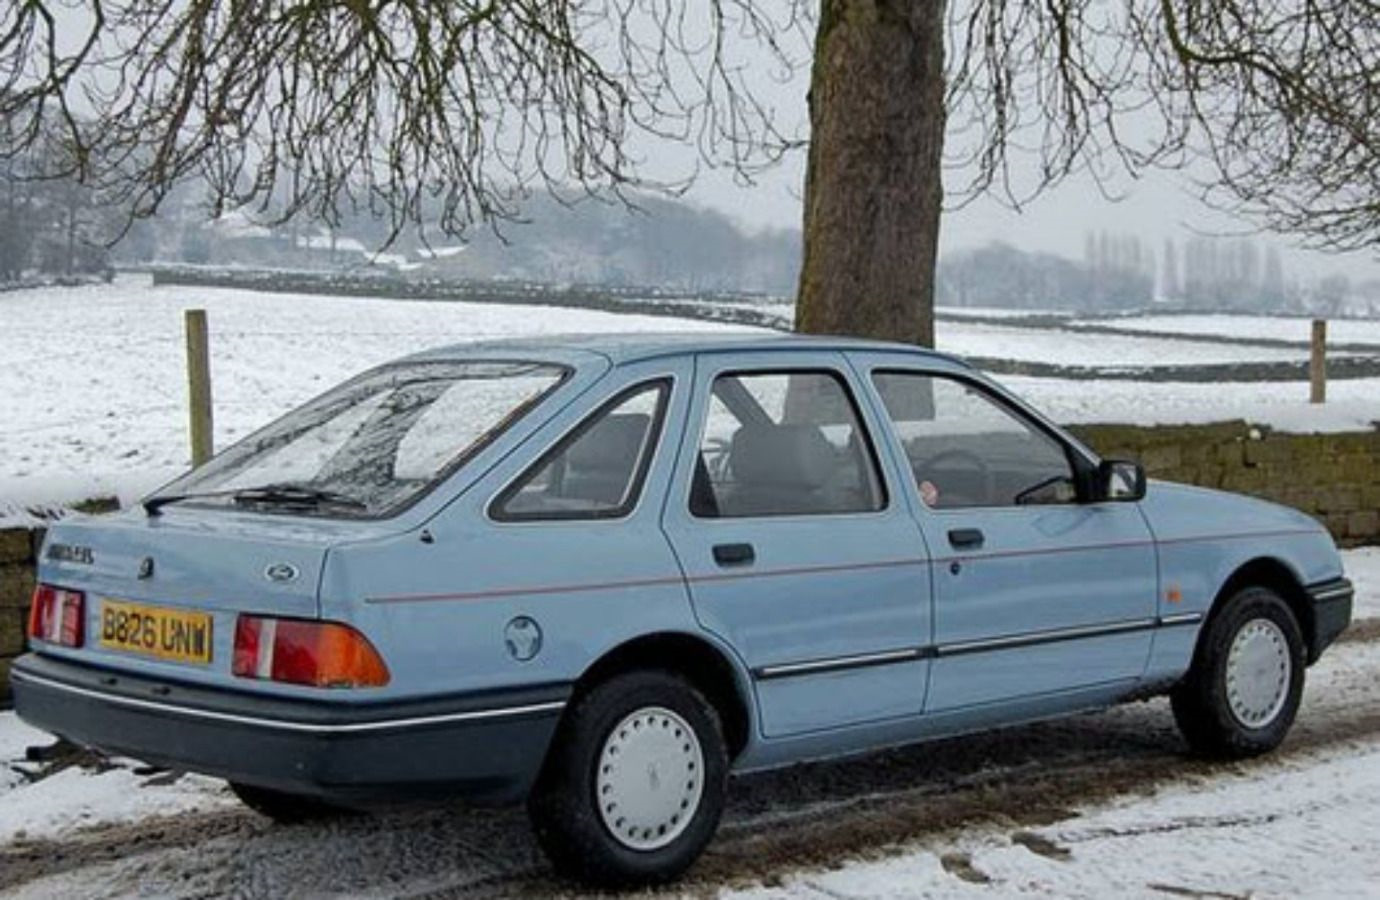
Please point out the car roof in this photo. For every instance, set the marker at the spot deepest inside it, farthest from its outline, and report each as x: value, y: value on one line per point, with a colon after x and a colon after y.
x: 631, y: 347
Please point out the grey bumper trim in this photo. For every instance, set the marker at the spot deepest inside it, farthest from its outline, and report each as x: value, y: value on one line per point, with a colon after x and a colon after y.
x: 288, y: 725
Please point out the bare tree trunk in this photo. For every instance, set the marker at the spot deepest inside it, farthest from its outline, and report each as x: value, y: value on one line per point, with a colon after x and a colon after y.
x: 872, y: 184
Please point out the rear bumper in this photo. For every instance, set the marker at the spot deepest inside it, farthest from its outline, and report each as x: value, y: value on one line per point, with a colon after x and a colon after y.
x: 1331, y: 612
x: 487, y: 746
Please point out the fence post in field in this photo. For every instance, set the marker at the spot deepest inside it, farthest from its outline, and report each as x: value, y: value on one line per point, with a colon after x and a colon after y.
x: 1317, y: 363
x: 198, y: 385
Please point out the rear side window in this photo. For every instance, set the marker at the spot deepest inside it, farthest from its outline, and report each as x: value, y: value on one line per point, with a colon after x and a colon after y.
x: 596, y: 471
x: 784, y: 443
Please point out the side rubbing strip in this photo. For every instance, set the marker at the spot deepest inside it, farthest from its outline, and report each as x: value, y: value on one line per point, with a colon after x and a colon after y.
x: 840, y: 663
x: 960, y: 648
x: 1035, y: 638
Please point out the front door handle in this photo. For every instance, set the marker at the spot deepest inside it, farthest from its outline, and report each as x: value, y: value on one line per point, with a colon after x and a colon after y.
x: 734, y: 554
x: 965, y: 538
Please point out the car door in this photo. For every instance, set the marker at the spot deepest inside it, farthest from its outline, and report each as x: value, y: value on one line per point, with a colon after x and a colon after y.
x: 1035, y: 592
x: 796, y: 547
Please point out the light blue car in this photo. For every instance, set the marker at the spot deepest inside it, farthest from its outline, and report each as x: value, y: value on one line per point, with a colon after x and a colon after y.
x: 603, y: 573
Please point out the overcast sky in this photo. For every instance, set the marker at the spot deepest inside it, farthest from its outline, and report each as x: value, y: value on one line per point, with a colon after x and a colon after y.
x: 1158, y: 205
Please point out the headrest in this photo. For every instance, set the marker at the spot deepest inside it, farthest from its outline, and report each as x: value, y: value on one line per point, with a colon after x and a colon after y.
x: 795, y: 456
x: 611, y: 445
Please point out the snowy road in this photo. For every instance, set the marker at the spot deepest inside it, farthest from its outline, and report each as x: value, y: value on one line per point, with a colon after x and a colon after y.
x: 1087, y: 806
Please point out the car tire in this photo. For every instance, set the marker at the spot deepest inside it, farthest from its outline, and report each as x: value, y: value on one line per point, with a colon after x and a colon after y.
x: 285, y: 809
x: 646, y: 820
x: 1243, y: 690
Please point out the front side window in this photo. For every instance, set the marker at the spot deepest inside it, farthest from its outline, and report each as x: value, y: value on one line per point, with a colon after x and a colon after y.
x: 597, y: 471
x: 783, y: 443
x: 373, y: 444
x: 966, y: 449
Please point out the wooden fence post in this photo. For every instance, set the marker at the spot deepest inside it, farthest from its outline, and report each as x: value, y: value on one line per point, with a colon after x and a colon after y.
x: 1317, y: 363
x: 199, y: 385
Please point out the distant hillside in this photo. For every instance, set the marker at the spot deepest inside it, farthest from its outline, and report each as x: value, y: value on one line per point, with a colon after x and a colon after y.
x: 658, y: 242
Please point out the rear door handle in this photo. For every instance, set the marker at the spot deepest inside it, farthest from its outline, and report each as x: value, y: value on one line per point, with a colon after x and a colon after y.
x: 965, y: 538
x: 734, y: 554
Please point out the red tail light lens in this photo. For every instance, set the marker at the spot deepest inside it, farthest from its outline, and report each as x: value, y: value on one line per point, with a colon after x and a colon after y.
x: 295, y: 651
x: 57, y: 616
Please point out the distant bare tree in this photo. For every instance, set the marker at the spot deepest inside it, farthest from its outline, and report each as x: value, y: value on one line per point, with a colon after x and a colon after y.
x: 454, y: 108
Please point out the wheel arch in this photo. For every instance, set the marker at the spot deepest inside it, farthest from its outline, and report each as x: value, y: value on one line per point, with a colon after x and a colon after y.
x: 1275, y: 574
x: 708, y: 667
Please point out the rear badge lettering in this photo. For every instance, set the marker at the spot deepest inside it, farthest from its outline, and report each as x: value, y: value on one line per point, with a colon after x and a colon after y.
x: 71, y: 553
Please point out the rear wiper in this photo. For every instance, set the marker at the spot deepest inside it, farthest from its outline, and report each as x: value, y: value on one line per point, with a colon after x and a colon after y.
x: 286, y: 494
x: 296, y: 495
x: 153, y: 504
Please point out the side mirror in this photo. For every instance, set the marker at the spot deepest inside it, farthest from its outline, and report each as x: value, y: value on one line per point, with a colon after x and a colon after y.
x: 1120, y: 480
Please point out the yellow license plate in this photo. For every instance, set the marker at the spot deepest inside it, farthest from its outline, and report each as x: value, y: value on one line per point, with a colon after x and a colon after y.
x: 175, y: 634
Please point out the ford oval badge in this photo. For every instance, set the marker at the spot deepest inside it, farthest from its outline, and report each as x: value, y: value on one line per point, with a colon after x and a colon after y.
x: 281, y: 572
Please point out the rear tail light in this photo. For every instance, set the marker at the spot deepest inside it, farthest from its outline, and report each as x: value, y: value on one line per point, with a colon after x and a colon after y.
x: 57, y: 616
x: 296, y: 651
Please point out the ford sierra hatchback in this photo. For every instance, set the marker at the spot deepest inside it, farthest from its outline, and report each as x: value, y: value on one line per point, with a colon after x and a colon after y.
x: 600, y: 574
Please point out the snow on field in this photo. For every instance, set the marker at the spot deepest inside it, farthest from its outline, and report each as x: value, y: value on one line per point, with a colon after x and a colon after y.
x: 1073, y: 348
x: 1352, y: 405
x: 1285, y: 328
x: 93, y: 379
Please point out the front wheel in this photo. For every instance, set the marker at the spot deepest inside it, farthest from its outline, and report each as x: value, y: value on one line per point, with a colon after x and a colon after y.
x: 634, y: 787
x: 1242, y: 693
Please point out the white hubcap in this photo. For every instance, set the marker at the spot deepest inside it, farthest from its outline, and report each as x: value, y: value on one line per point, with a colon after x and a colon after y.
x: 1258, y: 673
x: 651, y: 776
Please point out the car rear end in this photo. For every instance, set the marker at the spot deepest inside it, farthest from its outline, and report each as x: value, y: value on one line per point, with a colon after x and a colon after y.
x: 189, y: 632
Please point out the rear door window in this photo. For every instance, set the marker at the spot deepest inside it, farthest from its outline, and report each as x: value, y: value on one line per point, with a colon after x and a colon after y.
x: 782, y: 444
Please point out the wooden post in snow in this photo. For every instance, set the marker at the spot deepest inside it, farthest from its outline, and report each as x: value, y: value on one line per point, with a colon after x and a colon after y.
x: 1317, y: 363
x: 199, y: 385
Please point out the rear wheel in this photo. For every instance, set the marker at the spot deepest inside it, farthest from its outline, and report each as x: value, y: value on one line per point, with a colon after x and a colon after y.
x: 1243, y: 691
x: 285, y: 809
x: 634, y: 786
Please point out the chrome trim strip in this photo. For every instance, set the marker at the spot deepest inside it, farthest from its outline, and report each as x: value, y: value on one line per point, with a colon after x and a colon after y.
x: 1333, y: 594
x: 286, y: 725
x: 838, y: 663
x: 959, y: 648
x: 1043, y: 637
x: 1190, y: 618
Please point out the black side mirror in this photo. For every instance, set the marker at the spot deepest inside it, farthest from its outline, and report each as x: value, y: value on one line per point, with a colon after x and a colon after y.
x: 1120, y: 480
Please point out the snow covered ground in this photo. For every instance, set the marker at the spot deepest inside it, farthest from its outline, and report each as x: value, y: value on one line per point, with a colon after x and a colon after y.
x: 1284, y: 328
x: 92, y: 379
x: 1352, y: 405
x: 1074, y: 348
x: 1287, y: 831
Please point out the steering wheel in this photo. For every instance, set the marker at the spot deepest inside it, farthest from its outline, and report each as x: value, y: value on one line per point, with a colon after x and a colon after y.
x: 963, y: 458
